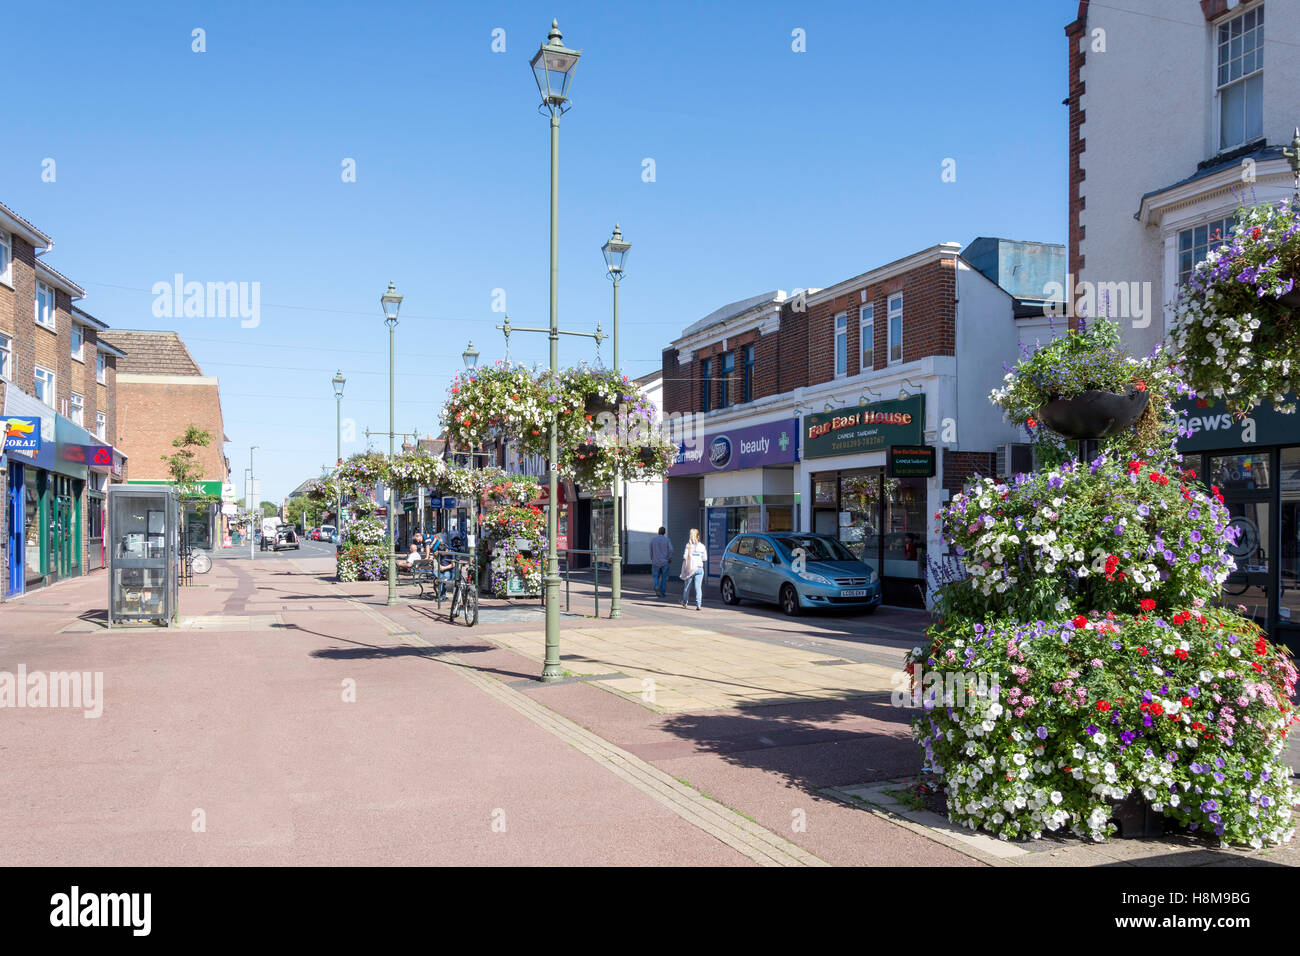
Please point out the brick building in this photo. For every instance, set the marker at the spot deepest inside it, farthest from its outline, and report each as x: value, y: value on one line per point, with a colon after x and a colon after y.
x: 1211, y: 91
x: 55, y: 369
x: 161, y: 392
x: 786, y: 404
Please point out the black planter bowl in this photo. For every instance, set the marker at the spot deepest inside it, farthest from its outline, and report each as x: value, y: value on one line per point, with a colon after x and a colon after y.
x: 1094, y: 414
x: 1135, y: 818
x: 1292, y: 299
x: 587, y: 451
x: 596, y: 404
x: 647, y: 455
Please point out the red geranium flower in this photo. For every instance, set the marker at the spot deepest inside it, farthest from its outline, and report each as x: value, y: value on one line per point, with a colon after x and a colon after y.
x: 1103, y: 706
x: 1148, y: 604
x: 1080, y: 622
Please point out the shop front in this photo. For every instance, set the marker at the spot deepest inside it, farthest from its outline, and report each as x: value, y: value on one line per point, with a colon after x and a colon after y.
x: 1255, y: 463
x: 734, y: 480
x: 45, y: 465
x: 878, y: 508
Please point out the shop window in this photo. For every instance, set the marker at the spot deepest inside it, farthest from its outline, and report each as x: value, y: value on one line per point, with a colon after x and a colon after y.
x: 1288, y: 610
x: 905, y: 529
x: 1240, y: 472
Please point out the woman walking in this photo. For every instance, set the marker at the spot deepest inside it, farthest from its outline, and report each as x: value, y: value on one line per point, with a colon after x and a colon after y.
x: 694, y: 559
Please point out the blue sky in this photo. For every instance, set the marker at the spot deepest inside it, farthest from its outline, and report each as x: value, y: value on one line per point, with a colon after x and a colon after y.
x: 773, y: 169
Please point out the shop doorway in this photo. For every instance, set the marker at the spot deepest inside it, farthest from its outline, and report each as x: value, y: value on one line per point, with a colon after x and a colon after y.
x: 1246, y: 483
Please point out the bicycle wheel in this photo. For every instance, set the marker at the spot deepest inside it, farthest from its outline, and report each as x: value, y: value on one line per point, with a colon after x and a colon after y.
x: 200, y: 563
x: 469, y: 607
x: 455, y: 599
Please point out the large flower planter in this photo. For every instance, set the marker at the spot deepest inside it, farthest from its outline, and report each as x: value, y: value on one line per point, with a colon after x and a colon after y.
x: 1094, y: 414
x: 1135, y: 818
x: 647, y: 455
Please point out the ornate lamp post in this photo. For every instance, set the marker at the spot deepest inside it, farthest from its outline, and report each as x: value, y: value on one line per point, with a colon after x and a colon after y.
x: 470, y: 358
x: 553, y: 67
x: 615, y: 251
x: 391, y: 302
x: 338, y: 381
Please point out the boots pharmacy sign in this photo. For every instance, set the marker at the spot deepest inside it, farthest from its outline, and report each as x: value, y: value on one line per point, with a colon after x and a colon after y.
x: 753, y: 446
x: 862, y: 428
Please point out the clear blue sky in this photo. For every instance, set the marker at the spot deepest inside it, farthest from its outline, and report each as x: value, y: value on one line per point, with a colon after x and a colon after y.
x: 774, y: 169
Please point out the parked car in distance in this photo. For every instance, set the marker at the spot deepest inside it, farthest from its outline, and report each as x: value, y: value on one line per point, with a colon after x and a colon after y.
x: 327, y: 533
x: 285, y: 539
x: 764, y: 567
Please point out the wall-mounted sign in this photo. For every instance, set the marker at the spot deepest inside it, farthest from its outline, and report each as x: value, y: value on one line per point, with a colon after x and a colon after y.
x: 862, y: 428
x: 773, y: 443
x: 911, y: 461
x: 1213, y: 428
x: 22, y: 434
x: 95, y: 456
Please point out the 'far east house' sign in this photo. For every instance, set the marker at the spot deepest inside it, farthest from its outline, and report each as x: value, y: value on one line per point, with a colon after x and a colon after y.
x: 862, y: 428
x: 911, y: 461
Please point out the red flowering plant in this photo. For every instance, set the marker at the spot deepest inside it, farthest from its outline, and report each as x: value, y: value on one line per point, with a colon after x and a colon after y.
x: 1192, y: 710
x: 516, y: 536
x: 1089, y: 594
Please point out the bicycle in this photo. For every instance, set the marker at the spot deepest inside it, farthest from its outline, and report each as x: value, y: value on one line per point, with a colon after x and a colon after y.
x: 464, y: 596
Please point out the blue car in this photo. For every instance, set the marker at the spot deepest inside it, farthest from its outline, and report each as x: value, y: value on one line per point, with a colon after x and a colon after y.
x: 762, y: 567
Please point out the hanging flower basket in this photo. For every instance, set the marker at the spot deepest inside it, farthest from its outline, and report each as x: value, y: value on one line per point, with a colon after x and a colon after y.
x: 503, y: 398
x: 647, y: 455
x: 1094, y: 414
x: 1085, y: 385
x: 1236, y: 332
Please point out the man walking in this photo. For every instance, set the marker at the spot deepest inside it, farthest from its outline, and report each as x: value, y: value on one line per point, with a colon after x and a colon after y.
x: 661, y: 554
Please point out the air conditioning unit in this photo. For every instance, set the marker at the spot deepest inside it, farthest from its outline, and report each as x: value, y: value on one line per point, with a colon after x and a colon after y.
x: 1014, y: 458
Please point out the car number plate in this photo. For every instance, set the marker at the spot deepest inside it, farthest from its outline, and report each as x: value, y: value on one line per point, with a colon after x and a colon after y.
x: 857, y: 593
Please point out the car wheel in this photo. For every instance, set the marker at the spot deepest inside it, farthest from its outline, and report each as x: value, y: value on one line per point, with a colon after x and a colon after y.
x: 790, y: 600
x: 729, y: 592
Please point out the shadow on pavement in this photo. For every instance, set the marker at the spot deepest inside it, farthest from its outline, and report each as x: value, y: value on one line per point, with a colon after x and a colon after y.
x: 811, y: 745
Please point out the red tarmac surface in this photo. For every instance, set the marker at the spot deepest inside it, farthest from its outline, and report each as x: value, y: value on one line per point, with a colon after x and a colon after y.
x: 250, y: 728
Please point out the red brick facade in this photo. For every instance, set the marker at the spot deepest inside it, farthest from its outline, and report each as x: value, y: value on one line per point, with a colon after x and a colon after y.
x: 959, y: 467
x: 801, y: 351
x: 33, y: 344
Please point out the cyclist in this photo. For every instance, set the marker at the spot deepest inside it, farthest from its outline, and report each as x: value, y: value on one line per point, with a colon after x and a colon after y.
x: 445, y: 565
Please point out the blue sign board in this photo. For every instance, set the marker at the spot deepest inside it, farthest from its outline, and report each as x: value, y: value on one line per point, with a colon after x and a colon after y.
x: 21, y: 433
x: 715, y: 540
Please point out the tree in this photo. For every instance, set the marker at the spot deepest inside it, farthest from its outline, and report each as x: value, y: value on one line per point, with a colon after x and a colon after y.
x: 183, y: 465
x: 269, y: 509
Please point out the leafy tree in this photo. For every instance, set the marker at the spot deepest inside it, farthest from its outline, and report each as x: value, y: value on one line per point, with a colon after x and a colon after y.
x: 183, y: 464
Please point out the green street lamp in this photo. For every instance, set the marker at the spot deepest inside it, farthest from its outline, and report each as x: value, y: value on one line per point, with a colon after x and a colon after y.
x: 553, y: 67
x: 392, y: 302
x: 338, y: 381
x: 470, y: 358
x: 615, y: 251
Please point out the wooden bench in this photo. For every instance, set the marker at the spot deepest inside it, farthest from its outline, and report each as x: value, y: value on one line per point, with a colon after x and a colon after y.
x: 421, y: 574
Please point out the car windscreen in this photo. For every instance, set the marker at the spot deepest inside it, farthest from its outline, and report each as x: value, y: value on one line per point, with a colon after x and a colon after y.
x: 815, y: 549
